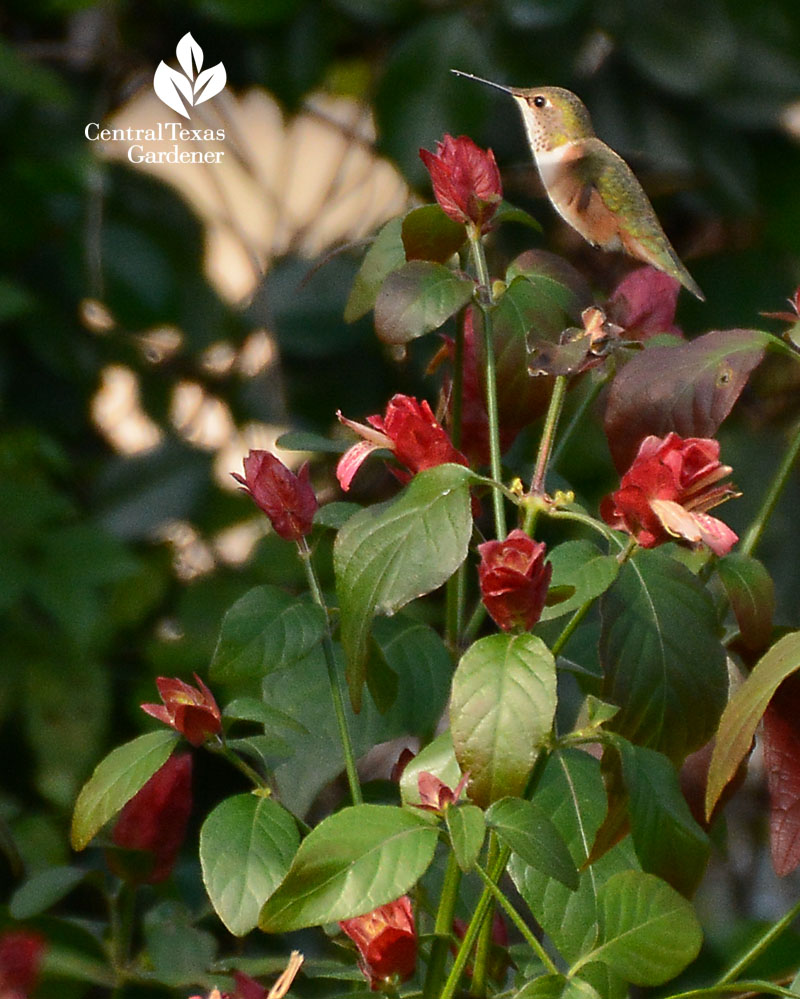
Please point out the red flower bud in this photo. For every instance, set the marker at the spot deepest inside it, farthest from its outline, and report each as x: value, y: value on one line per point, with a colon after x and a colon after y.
x: 514, y: 578
x: 287, y: 499
x: 154, y: 822
x: 21, y: 954
x: 409, y: 429
x: 387, y: 942
x: 668, y: 489
x: 435, y: 795
x: 192, y: 711
x: 466, y: 181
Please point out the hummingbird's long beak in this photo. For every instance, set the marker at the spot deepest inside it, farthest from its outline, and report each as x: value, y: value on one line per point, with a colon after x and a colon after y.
x: 480, y: 79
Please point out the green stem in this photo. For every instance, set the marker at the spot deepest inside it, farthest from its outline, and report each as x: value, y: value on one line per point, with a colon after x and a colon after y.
x: 471, y: 933
x: 442, y: 929
x: 570, y: 627
x: 587, y: 521
x: 123, y: 910
x: 241, y: 765
x: 758, y: 948
x: 757, y: 528
x: 480, y: 973
x: 333, y: 676
x: 486, y: 300
x: 456, y: 584
x: 549, y: 433
x: 457, y: 388
x: 518, y: 921
x: 484, y: 902
x: 455, y: 596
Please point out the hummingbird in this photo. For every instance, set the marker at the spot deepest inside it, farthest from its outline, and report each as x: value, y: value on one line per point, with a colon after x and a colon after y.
x: 591, y: 187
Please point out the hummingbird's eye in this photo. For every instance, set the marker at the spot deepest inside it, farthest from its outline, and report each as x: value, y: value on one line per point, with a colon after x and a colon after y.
x: 539, y: 101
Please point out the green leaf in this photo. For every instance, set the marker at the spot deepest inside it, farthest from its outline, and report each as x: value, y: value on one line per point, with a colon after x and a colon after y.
x: 43, y: 890
x: 421, y: 667
x: 571, y: 792
x: 352, y: 862
x: 689, y: 388
x: 501, y: 711
x: 531, y: 834
x: 247, y: 844
x: 303, y: 692
x: 648, y: 932
x: 743, y: 713
x: 335, y: 515
x: 116, y: 780
x: 389, y: 554
x: 437, y: 758
x: 750, y: 589
x: 266, y: 629
x: 664, y: 664
x: 543, y: 296
x: 582, y: 572
x: 384, y: 256
x: 506, y: 212
x: 417, y: 299
x: 305, y: 440
x: 429, y: 234
x: 467, y: 829
x: 180, y: 952
x: 557, y: 987
x: 254, y: 710
x: 668, y: 841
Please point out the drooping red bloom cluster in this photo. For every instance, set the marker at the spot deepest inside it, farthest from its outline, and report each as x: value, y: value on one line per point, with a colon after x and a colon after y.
x: 287, y: 499
x: 154, y: 822
x: 409, y: 429
x: 668, y: 489
x: 466, y: 180
x: 514, y: 579
x: 192, y: 711
x: 386, y: 939
x: 21, y: 955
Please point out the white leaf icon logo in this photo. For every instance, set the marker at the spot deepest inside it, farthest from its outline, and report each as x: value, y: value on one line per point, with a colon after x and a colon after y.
x: 190, y: 55
x: 191, y: 86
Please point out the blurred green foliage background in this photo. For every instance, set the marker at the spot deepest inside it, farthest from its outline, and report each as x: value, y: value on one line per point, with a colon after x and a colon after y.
x: 702, y: 98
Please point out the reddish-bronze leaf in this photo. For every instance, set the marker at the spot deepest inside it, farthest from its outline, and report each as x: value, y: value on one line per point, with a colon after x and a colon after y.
x: 429, y: 234
x: 689, y: 388
x: 782, y: 765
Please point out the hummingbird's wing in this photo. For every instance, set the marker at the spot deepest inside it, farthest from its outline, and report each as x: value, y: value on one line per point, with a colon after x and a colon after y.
x: 609, y: 185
